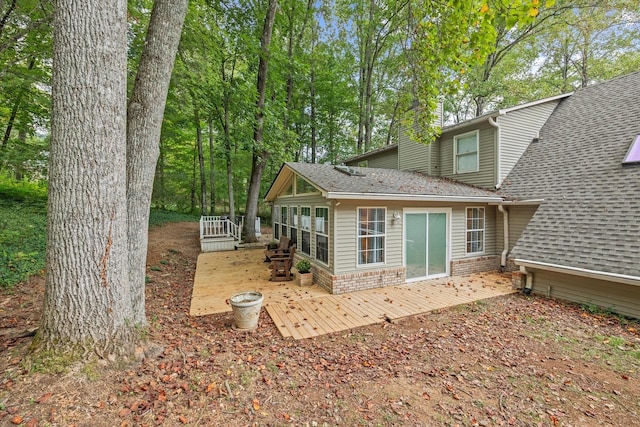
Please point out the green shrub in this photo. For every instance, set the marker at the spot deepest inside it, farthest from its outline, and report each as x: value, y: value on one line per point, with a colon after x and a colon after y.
x: 303, y: 266
x: 23, y: 225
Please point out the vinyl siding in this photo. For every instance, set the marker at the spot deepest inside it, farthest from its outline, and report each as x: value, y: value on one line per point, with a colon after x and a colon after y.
x: 517, y: 129
x: 485, y: 176
x: 388, y: 160
x: 621, y: 298
x: 346, y: 229
x: 459, y: 232
x: 413, y: 156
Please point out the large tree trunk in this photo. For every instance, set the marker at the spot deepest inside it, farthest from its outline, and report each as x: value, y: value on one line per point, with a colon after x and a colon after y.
x: 260, y: 155
x: 145, y: 112
x: 87, y: 303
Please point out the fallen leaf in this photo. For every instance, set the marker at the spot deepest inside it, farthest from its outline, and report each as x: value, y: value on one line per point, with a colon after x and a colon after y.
x: 16, y: 420
x: 256, y: 404
x: 182, y: 419
x: 44, y: 398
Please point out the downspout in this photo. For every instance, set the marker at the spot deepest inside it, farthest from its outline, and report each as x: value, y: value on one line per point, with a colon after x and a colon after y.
x: 495, y: 124
x: 505, y: 251
x: 529, y: 284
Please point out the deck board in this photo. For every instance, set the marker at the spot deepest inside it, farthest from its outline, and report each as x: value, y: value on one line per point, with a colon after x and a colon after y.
x: 307, y: 312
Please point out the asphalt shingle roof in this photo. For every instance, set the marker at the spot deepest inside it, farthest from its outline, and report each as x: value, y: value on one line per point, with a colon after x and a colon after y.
x: 384, y: 181
x: 590, y: 217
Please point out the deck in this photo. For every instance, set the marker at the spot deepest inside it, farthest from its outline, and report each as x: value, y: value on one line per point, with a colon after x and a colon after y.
x: 310, y: 311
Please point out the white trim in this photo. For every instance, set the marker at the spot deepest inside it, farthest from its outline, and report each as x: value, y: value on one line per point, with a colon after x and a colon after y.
x: 532, y: 202
x: 504, y: 111
x: 455, y: 152
x: 317, y: 233
x: 466, y: 230
x: 302, y: 229
x: 449, y: 219
x: 386, y: 237
x: 413, y: 197
x: 594, y: 274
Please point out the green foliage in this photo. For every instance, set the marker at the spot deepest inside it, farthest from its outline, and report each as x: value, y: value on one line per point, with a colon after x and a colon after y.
x: 303, y: 266
x: 161, y: 216
x: 23, y: 224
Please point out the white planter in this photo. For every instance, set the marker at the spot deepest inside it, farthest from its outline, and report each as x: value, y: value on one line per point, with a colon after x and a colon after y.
x: 246, y: 310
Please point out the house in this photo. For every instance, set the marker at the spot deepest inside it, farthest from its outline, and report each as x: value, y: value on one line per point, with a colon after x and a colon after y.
x: 365, y: 228
x: 583, y: 242
x: 541, y: 187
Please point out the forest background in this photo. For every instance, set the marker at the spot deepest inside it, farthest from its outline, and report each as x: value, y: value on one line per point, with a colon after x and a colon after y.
x: 342, y: 76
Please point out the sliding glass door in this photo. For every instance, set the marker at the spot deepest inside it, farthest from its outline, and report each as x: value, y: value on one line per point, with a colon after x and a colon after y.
x: 426, y: 244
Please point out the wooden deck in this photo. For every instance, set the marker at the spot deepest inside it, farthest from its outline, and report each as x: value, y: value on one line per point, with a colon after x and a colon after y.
x: 219, y: 275
x: 310, y: 311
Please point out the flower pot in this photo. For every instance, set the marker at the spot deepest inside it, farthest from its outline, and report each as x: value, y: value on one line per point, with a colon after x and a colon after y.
x: 304, y: 279
x: 246, y: 310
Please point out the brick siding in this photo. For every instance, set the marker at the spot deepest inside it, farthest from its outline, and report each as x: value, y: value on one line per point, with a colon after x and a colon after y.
x: 460, y: 267
x: 343, y: 283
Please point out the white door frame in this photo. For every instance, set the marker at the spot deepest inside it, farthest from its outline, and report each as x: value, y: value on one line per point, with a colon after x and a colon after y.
x: 448, y: 212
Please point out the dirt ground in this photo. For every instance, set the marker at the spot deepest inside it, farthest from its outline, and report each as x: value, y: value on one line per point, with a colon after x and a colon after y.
x: 509, y: 361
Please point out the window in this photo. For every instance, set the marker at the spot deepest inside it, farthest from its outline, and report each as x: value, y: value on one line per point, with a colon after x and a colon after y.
x: 371, y: 235
x: 293, y: 224
x: 633, y: 155
x: 303, y: 187
x: 322, y: 235
x: 475, y: 230
x: 276, y: 222
x: 305, y: 226
x: 283, y: 220
x: 465, y: 152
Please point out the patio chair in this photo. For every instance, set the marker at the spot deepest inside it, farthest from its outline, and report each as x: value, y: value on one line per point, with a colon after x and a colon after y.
x: 283, y: 248
x: 281, y: 266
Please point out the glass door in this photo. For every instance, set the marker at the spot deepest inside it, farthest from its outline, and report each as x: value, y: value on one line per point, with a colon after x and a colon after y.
x: 415, y: 245
x: 425, y: 244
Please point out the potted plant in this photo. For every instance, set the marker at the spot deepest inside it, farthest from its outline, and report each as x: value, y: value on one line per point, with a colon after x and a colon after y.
x: 305, y: 276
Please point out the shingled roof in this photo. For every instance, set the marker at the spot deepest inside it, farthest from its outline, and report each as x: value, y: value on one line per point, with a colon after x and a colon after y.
x: 389, y: 184
x: 590, y: 217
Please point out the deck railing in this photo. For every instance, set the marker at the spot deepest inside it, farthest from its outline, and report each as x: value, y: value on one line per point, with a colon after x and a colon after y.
x: 218, y: 226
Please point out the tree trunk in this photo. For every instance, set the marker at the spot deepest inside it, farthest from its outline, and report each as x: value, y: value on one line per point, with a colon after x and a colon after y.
x: 87, y: 302
x: 200, y: 148
x: 144, y: 122
x: 16, y: 106
x: 312, y: 96
x: 212, y: 175
x: 259, y: 158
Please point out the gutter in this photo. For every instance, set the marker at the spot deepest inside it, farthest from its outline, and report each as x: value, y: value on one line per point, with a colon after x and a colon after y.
x: 584, y: 272
x: 505, y: 251
x: 411, y: 197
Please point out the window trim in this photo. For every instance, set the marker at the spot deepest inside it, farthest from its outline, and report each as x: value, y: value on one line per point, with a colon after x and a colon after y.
x: 358, y: 237
x: 316, y: 232
x: 455, y: 152
x: 276, y: 222
x: 303, y: 229
x: 284, y: 225
x: 632, y: 157
x: 468, y: 230
x: 294, y: 223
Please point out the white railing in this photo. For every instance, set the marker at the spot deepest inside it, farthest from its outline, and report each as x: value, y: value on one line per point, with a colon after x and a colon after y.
x: 217, y: 226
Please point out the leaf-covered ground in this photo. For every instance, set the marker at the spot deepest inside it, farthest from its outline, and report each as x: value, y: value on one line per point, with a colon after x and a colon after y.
x: 521, y: 361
